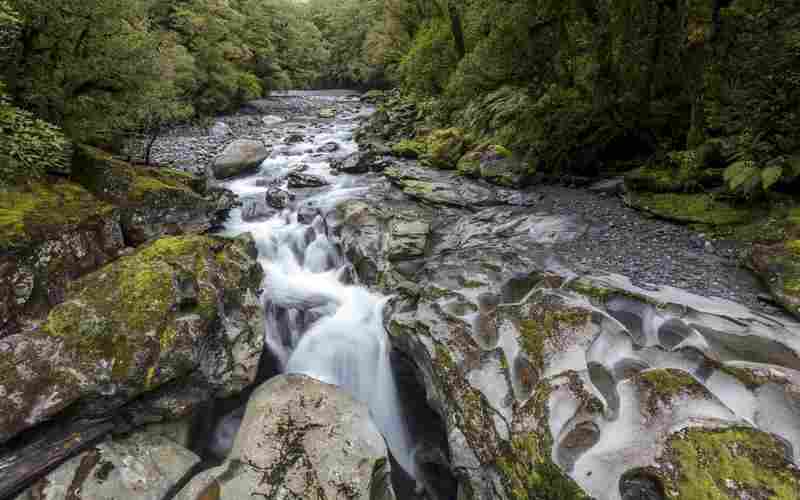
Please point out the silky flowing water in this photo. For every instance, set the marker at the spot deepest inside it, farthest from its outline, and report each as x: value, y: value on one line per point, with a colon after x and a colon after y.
x: 318, y: 322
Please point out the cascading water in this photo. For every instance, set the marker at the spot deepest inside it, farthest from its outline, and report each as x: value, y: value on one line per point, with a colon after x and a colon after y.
x: 318, y: 324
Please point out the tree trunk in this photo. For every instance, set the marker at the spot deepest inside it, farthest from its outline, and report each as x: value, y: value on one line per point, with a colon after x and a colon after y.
x: 150, y: 143
x: 602, y: 43
x: 698, y: 54
x: 458, y: 29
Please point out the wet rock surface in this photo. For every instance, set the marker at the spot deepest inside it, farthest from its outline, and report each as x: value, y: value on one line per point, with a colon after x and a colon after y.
x: 552, y: 342
x: 143, y: 465
x: 300, y: 438
x: 178, y: 305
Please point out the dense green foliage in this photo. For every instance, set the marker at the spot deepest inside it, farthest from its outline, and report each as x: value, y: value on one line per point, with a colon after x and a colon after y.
x: 586, y: 86
x: 101, y: 68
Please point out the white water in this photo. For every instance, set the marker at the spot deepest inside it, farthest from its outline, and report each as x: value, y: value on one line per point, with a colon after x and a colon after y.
x: 317, y: 324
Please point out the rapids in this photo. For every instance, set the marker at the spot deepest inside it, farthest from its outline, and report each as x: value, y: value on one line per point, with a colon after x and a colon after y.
x: 319, y: 323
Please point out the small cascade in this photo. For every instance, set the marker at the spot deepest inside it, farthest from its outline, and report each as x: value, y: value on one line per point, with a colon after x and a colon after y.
x: 318, y: 323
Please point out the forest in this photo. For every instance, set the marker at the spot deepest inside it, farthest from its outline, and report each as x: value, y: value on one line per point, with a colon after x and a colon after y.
x: 580, y: 86
x: 400, y: 249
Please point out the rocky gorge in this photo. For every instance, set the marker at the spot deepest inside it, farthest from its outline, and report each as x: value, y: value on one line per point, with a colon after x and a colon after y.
x: 313, y: 303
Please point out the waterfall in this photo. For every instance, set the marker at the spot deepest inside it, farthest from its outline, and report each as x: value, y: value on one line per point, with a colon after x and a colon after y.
x: 317, y: 323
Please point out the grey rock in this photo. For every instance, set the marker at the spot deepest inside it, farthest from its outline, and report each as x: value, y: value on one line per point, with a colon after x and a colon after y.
x: 298, y: 180
x: 256, y: 209
x: 176, y: 306
x: 239, y: 157
x: 315, y: 440
x: 271, y: 120
x: 329, y: 147
x: 144, y: 466
x: 278, y: 198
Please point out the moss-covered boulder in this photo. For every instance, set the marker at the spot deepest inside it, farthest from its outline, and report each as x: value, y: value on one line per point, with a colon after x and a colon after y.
x: 444, y: 148
x: 728, y: 463
x: 178, y: 305
x: 701, y: 208
x: 779, y: 265
x: 495, y: 164
x: 51, y: 232
x: 154, y: 201
x: 409, y: 148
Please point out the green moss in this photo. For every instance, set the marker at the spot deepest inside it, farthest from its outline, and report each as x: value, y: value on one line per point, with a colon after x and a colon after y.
x: 750, y: 377
x: 793, y: 246
x: 653, y: 179
x: 126, y: 184
x: 38, y: 210
x: 664, y: 385
x: 691, y: 208
x: 445, y: 147
x: 502, y: 151
x: 588, y: 289
x: 124, y: 311
x: 731, y: 463
x: 409, y: 149
x: 542, y: 330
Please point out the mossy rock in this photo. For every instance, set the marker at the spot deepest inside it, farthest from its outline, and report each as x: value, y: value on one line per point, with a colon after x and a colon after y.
x: 130, y: 327
x: 408, y: 148
x: 40, y: 210
x: 155, y: 202
x: 125, y: 184
x: 779, y: 266
x: 51, y: 232
x: 728, y: 463
x: 690, y: 208
x: 445, y: 147
x: 653, y: 179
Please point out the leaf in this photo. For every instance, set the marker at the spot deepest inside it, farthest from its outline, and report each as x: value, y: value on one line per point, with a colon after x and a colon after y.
x: 770, y: 175
x: 740, y: 175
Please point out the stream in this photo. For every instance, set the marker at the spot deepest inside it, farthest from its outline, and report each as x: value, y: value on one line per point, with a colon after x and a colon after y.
x: 320, y: 322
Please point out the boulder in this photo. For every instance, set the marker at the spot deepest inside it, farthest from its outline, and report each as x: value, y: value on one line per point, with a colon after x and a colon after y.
x: 256, y: 209
x: 445, y: 148
x: 153, y: 201
x: 271, y: 120
x: 278, y: 198
x: 779, y: 266
x: 496, y: 165
x: 441, y: 188
x: 143, y: 466
x: 355, y: 163
x: 239, y: 157
x: 176, y: 306
x: 294, y: 139
x: 329, y: 147
x: 51, y: 233
x: 300, y: 438
x: 299, y: 180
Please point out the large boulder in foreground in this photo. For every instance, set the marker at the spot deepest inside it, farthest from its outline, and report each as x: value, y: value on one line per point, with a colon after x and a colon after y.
x: 176, y: 306
x: 240, y: 157
x: 300, y: 438
x: 143, y: 466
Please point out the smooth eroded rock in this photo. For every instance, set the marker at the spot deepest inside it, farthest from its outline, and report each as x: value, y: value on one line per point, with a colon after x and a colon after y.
x: 143, y: 466
x: 240, y: 157
x: 300, y: 438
